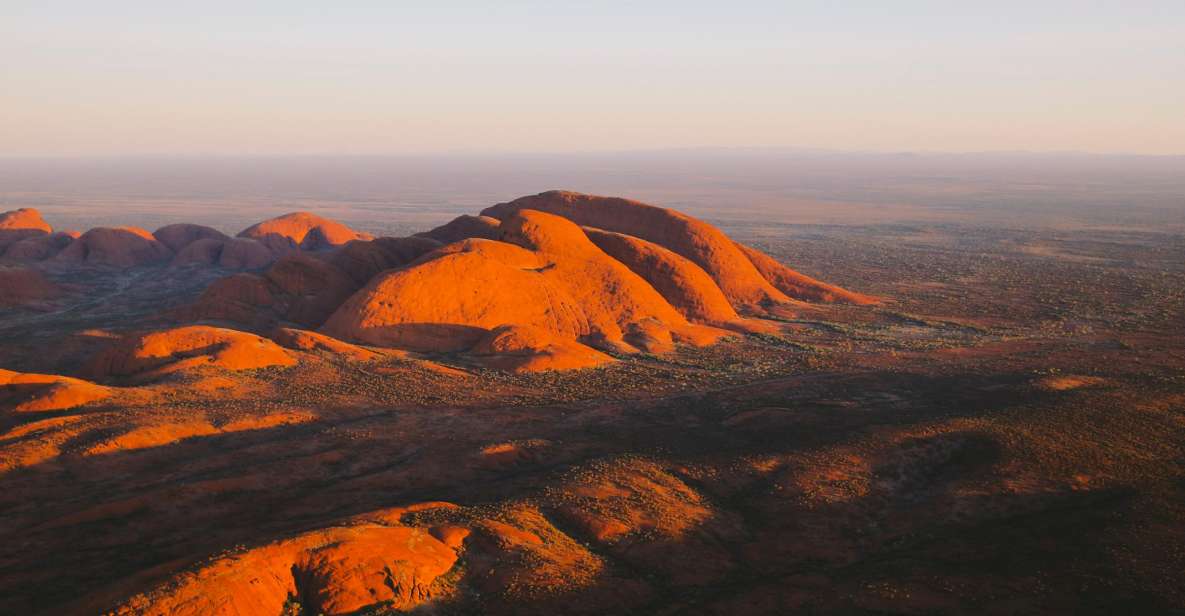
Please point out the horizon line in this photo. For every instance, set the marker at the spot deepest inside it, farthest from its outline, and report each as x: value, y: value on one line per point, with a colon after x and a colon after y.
x: 460, y: 153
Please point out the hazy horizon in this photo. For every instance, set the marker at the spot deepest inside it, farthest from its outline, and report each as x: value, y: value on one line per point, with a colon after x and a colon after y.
x: 397, y: 195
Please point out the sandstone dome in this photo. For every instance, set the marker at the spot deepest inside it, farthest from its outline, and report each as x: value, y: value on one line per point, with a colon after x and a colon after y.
x: 25, y: 218
x: 694, y: 239
x: 301, y: 230
x: 522, y: 348
x: 185, y: 348
x: 730, y: 265
x: 40, y: 247
x: 340, y: 570
x: 363, y: 259
x: 28, y: 393
x: 180, y: 235
x: 569, y: 284
x: 16, y: 225
x: 547, y: 275
x: 304, y: 340
x: 680, y: 281
x: 236, y: 253
x: 464, y: 227
x: 298, y: 288
x: 116, y: 247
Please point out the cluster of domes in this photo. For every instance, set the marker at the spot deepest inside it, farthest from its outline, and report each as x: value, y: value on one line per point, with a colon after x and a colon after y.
x: 552, y: 281
x: 26, y: 237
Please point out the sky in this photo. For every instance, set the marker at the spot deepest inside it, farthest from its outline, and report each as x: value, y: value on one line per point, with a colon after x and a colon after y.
x: 121, y: 78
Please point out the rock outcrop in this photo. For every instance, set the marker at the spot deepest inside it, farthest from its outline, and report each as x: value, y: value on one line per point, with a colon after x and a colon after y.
x: 30, y: 393
x: 17, y: 225
x: 236, y: 253
x: 185, y: 348
x: 298, y: 288
x: 301, y: 230
x: 334, y: 571
x: 694, y: 239
x: 465, y: 227
x: 747, y: 277
x: 180, y: 235
x: 553, y: 281
x: 680, y: 281
x: 362, y: 260
x: 522, y: 348
x: 40, y: 247
x: 547, y: 275
x: 242, y: 253
x: 115, y: 247
x: 452, y: 297
x: 304, y: 340
x: 247, y: 299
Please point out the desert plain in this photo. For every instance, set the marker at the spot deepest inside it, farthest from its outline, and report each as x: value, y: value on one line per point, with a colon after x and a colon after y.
x: 961, y: 407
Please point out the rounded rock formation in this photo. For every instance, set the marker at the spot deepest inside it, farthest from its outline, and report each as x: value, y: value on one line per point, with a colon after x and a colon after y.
x: 180, y: 235
x: 546, y: 275
x: 237, y: 253
x: 17, y: 225
x: 304, y: 340
x: 363, y: 260
x: 242, y: 253
x: 334, y: 571
x: 183, y: 348
x: 522, y: 348
x: 694, y: 239
x: 242, y: 298
x: 116, y: 247
x: 203, y: 251
x: 301, y: 230
x: 465, y: 227
x: 449, y: 299
x: 312, y: 288
x: 40, y: 247
x: 30, y: 393
x: 633, y: 278
x: 682, y: 283
x: 300, y: 289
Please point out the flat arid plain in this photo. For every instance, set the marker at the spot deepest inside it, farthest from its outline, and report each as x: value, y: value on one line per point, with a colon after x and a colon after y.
x: 801, y: 382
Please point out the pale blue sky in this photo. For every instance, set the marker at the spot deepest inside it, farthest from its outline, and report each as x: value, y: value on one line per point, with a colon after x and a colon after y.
x: 389, y: 77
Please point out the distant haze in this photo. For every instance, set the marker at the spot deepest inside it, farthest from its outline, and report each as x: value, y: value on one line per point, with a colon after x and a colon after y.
x: 299, y: 77
x: 739, y: 189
